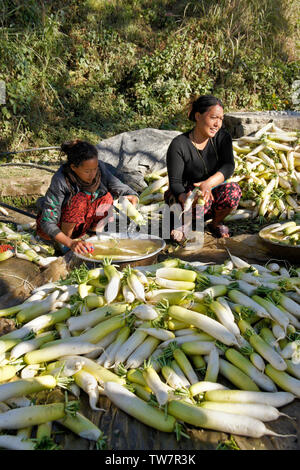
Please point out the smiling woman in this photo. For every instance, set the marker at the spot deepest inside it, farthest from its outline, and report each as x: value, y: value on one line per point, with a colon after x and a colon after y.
x: 203, y: 158
x: 79, y: 197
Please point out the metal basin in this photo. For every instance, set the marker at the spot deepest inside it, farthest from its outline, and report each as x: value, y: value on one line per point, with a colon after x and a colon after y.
x: 284, y: 252
x: 147, y: 259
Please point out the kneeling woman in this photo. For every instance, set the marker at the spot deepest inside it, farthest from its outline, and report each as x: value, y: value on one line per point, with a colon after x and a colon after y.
x: 72, y: 204
x: 203, y: 157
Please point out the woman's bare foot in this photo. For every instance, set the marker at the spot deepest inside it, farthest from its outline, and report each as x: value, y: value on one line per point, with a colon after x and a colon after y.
x: 219, y: 231
x: 177, y: 235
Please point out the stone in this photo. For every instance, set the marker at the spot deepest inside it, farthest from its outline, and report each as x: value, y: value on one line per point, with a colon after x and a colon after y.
x: 245, y: 123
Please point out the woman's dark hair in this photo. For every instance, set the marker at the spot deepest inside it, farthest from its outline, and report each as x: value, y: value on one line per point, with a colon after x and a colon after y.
x: 78, y: 151
x: 201, y: 105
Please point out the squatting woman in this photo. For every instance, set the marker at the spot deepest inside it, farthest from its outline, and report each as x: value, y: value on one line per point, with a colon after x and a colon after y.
x: 203, y: 158
x: 78, y: 198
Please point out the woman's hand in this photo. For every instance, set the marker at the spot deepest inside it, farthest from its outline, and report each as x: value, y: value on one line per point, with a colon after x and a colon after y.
x: 133, y: 199
x: 81, y: 247
x: 205, y: 189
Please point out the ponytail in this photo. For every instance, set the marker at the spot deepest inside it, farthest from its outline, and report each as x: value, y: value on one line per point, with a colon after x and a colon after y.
x: 78, y: 151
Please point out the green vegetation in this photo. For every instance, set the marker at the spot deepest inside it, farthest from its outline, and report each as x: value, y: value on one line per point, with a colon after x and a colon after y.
x: 95, y: 68
x: 229, y: 444
x: 21, y: 202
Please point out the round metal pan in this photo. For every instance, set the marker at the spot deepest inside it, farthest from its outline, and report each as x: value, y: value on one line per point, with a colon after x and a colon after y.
x: 136, y: 236
x: 284, y: 252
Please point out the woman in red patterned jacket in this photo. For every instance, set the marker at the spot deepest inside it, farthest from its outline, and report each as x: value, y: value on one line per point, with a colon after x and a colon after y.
x: 79, y: 197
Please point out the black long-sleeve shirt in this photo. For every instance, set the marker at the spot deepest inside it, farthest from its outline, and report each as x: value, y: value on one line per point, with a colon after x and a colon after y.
x: 186, y: 165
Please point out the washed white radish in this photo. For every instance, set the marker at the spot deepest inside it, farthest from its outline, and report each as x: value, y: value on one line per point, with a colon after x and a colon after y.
x: 180, y: 373
x: 129, y: 346
x: 102, y: 344
x: 53, y: 352
x: 89, y: 384
x: 22, y: 387
x: 95, y: 316
x: 218, y: 420
x: 145, y: 312
x: 259, y: 411
x: 204, y: 386
x: 159, y: 388
x: 171, y: 377
x: 276, y: 399
x: 25, y: 346
x: 206, y: 324
x: 120, y: 339
x: 142, y: 353
x: 212, y: 369
x: 138, y: 408
x: 31, y: 415
x: 114, y: 281
x: 159, y: 333
x: 7, y: 441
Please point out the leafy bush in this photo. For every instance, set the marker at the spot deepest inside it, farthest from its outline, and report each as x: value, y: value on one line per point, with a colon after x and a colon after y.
x: 95, y: 68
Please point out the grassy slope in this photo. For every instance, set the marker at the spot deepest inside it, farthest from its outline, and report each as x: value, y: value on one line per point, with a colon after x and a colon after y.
x: 95, y: 68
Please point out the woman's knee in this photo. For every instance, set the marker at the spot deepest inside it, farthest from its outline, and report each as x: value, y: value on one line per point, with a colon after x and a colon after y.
x: 75, y: 211
x: 228, y: 196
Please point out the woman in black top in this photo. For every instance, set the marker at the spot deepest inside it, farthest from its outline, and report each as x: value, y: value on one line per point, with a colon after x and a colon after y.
x: 203, y: 158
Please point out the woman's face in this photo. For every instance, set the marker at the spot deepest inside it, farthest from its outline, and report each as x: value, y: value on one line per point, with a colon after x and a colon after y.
x: 87, y: 170
x: 210, y: 122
